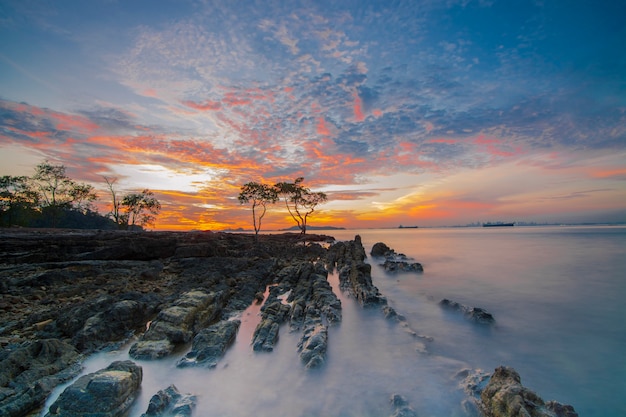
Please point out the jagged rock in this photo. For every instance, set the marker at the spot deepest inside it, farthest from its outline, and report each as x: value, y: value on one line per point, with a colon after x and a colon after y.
x: 177, y: 324
x: 402, y: 266
x: 504, y: 396
x: 313, y: 345
x: 273, y: 314
x: 210, y: 344
x: 29, y: 372
x: 114, y: 323
x: 170, y: 403
x: 106, y: 393
x: 401, y: 407
x: 475, y: 314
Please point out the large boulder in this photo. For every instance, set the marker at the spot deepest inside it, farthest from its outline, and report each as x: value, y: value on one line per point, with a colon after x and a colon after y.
x: 106, y: 393
x: 313, y: 345
x: 170, y: 402
x: 504, y: 396
x: 210, y: 344
x: 29, y: 373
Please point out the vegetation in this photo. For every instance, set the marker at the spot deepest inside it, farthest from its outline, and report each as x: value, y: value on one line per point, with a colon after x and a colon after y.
x: 299, y: 200
x: 52, y: 199
x: 260, y: 195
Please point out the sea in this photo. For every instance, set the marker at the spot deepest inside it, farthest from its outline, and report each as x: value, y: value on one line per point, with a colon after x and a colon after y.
x: 558, y: 296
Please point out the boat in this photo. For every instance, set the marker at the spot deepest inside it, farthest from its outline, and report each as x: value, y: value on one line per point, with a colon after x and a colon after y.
x: 499, y: 224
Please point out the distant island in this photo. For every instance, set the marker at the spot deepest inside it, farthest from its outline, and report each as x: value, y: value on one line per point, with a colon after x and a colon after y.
x: 407, y: 227
x: 296, y: 228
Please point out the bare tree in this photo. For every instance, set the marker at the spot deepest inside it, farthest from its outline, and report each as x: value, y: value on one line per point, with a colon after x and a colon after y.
x: 115, y: 209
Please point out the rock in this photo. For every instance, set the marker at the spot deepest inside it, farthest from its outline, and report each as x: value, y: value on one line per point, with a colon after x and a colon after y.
x: 401, y: 407
x: 381, y: 250
x: 475, y: 314
x: 106, y: 393
x: 29, y: 372
x: 504, y: 396
x: 210, y: 344
x: 178, y: 324
x: 170, y: 403
x: 402, y: 266
x: 313, y: 344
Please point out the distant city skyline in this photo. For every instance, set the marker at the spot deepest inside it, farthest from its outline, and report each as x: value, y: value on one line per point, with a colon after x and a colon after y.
x: 422, y: 112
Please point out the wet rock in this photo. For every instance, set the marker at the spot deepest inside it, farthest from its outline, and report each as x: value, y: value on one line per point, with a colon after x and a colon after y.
x: 401, y: 407
x: 116, y: 322
x: 210, y: 344
x: 504, y: 396
x: 29, y: 372
x: 475, y: 314
x: 273, y: 314
x: 106, y: 393
x: 313, y: 345
x: 381, y: 250
x: 402, y: 266
x: 170, y: 403
x: 178, y: 324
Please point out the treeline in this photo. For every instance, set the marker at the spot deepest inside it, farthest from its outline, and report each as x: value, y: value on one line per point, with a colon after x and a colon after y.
x: 49, y: 198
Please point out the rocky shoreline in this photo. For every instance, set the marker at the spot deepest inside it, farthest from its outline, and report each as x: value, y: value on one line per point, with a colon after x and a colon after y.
x: 66, y: 294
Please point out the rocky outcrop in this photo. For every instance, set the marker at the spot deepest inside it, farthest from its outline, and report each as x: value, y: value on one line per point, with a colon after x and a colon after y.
x: 170, y: 402
x: 474, y: 314
x: 29, y: 372
x: 106, y: 393
x: 393, y: 266
x: 355, y: 276
x: 394, y: 262
x: 401, y: 407
x: 504, y: 396
x: 274, y: 312
x: 210, y: 344
x: 178, y: 324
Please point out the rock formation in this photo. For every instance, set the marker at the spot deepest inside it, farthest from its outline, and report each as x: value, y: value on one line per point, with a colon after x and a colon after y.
x: 170, y: 402
x: 475, y: 314
x: 504, y: 396
x: 106, y: 393
x: 210, y: 344
x: 394, y: 262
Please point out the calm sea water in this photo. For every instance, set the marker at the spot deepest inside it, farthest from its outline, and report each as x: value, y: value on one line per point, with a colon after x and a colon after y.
x: 557, y: 294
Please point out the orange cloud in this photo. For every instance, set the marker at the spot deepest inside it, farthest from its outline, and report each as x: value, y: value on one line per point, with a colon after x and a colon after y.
x: 207, y: 105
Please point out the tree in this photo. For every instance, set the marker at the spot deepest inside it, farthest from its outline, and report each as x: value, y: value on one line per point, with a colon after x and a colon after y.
x: 58, y: 192
x: 18, y: 201
x: 260, y: 195
x: 140, y: 209
x: 299, y: 200
x: 115, y: 209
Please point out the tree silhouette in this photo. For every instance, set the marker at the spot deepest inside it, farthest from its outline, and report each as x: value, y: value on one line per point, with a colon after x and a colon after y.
x: 140, y: 209
x: 260, y: 195
x: 299, y: 200
x: 57, y: 191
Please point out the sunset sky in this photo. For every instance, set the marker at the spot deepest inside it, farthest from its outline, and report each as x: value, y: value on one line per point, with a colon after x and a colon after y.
x: 423, y: 112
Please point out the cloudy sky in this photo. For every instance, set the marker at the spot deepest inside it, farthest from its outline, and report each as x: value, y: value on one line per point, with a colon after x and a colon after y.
x: 422, y: 112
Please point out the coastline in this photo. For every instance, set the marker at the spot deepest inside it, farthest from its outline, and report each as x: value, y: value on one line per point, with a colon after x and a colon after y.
x: 61, y: 285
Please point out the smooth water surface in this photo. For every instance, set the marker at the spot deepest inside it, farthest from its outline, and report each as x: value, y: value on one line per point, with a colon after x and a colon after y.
x: 557, y: 295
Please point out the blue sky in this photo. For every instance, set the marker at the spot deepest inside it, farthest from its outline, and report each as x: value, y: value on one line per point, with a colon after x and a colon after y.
x: 414, y: 112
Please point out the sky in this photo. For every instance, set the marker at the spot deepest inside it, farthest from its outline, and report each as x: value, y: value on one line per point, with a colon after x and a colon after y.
x: 422, y: 112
